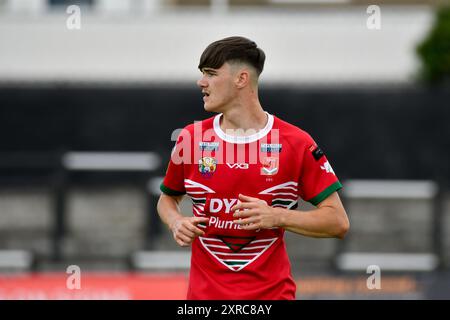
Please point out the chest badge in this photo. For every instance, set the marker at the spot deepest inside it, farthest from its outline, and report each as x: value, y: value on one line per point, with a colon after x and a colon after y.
x: 207, y: 166
x: 269, y: 166
x: 271, y: 147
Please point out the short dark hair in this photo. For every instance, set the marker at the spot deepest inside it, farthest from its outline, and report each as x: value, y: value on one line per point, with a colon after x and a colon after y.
x: 230, y: 49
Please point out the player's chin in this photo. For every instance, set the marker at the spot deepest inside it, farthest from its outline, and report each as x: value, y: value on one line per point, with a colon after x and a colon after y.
x: 209, y: 108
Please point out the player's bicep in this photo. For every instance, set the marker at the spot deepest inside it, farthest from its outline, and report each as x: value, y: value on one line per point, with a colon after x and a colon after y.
x: 333, y: 201
x: 166, y: 200
x: 177, y: 199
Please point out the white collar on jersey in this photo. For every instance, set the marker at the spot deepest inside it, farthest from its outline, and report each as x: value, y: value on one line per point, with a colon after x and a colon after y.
x: 242, y: 139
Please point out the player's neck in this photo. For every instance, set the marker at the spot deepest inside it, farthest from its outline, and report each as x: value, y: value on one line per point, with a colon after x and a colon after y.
x: 250, y: 116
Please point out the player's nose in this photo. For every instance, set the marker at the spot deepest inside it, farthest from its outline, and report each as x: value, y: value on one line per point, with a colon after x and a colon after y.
x: 202, y: 82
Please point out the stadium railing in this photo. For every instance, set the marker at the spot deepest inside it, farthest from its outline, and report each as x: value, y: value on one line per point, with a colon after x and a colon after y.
x: 394, y: 261
x: 146, y: 163
x: 53, y: 170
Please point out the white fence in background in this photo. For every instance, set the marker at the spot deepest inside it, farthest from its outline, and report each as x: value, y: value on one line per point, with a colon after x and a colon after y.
x: 397, y: 261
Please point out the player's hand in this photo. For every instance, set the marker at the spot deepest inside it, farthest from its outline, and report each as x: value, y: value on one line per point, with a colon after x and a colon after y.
x: 254, y: 214
x: 185, y: 229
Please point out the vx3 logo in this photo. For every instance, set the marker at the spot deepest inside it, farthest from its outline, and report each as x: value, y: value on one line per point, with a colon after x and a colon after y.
x: 243, y: 166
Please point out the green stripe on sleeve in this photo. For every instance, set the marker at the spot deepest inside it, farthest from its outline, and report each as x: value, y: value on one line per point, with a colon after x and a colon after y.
x: 325, y: 193
x: 169, y: 191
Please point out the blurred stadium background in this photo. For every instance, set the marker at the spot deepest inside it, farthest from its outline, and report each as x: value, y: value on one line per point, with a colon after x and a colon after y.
x: 86, y: 118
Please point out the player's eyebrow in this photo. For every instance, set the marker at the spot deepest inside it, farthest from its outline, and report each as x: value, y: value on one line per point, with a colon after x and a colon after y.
x: 209, y: 70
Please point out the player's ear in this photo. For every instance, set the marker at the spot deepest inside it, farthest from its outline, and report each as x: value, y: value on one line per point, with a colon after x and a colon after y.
x: 242, y: 78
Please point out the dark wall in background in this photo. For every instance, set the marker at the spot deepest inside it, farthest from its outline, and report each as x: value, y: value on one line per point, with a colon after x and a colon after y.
x: 396, y: 133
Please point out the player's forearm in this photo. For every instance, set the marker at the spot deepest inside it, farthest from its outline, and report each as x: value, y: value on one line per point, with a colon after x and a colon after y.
x: 168, y: 209
x: 325, y: 222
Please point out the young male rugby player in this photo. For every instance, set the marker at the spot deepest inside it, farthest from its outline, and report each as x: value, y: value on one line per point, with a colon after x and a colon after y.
x: 244, y: 170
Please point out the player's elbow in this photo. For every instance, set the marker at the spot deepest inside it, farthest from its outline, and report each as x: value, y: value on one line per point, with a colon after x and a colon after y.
x: 343, y: 226
x: 160, y: 205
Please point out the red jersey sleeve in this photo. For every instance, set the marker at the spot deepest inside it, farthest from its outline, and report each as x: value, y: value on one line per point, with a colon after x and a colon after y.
x: 173, y: 183
x: 317, y: 178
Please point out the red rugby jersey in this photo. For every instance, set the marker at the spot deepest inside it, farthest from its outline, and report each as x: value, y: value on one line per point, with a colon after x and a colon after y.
x: 278, y: 164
